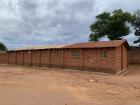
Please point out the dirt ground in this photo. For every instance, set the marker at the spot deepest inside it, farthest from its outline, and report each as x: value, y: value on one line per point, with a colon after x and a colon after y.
x: 32, y: 86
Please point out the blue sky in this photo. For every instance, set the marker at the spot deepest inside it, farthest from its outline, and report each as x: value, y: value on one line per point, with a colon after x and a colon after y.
x: 41, y: 22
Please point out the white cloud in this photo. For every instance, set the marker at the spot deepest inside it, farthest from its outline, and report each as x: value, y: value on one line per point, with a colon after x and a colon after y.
x: 34, y: 22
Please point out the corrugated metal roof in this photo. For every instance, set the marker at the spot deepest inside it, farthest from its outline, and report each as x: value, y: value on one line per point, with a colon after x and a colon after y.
x: 100, y: 44
x: 38, y: 47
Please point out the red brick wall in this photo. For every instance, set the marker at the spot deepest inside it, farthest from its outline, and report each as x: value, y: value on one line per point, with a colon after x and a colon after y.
x: 3, y: 58
x: 57, y: 58
x: 36, y: 58
x: 70, y: 62
x: 125, y: 57
x: 27, y: 58
x: 121, y: 58
x: 90, y: 59
x: 134, y: 55
x: 45, y: 58
x: 19, y: 58
x: 94, y: 61
x: 12, y: 58
x: 118, y: 58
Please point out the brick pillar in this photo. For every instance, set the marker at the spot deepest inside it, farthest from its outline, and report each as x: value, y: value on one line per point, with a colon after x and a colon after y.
x: 15, y: 57
x: 114, y: 60
x: 122, y: 57
x: 22, y: 58
x: 40, y: 58
x: 63, y: 52
x: 8, y: 58
x: 50, y: 57
x: 31, y: 56
x: 82, y: 60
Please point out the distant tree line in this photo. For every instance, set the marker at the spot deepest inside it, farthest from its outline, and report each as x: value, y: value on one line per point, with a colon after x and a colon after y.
x: 115, y: 25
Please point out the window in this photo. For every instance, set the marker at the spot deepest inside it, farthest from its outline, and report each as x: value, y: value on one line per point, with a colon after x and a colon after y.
x: 75, y: 53
x: 103, y: 53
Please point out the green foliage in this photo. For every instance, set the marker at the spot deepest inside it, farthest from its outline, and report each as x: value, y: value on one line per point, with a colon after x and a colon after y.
x: 2, y: 47
x: 113, y: 25
x: 136, y: 22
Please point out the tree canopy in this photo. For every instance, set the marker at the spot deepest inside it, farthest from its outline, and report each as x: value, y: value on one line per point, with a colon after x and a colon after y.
x: 136, y: 25
x: 2, y: 47
x: 114, y: 25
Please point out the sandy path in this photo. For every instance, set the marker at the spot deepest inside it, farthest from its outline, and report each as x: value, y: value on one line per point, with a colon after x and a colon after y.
x: 26, y: 86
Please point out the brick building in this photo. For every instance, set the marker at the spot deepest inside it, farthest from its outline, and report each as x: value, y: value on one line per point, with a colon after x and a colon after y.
x: 103, y: 56
x: 3, y: 57
x: 134, y: 55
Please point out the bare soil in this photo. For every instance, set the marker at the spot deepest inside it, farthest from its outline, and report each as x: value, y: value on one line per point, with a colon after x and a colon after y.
x: 32, y: 86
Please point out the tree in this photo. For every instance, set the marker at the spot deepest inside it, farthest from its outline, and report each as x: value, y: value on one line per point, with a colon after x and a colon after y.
x: 113, y: 25
x: 136, y: 25
x: 2, y: 47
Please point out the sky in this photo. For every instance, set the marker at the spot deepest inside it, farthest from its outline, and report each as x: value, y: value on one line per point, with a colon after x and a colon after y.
x: 44, y: 22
